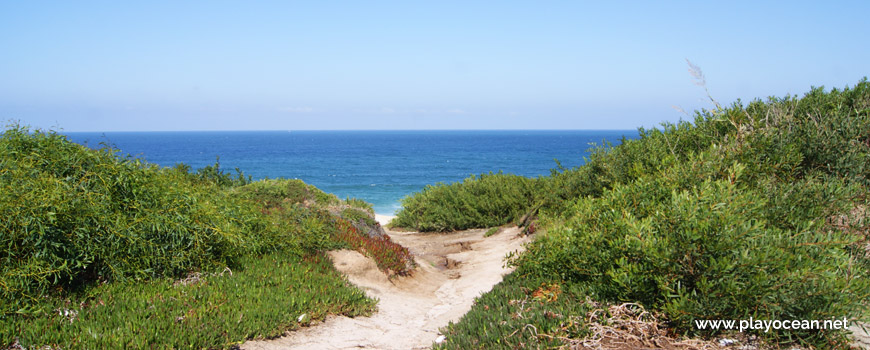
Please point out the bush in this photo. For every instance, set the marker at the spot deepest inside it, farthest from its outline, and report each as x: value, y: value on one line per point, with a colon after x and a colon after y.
x: 308, y: 219
x: 214, y: 174
x: 102, y: 237
x: 478, y: 201
x: 357, y: 215
x: 703, y: 253
x: 360, y: 204
x: 73, y: 216
x: 274, y: 193
x: 750, y: 211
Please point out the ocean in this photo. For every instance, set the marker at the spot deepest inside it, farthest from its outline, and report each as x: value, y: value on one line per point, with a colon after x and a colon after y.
x: 380, y: 167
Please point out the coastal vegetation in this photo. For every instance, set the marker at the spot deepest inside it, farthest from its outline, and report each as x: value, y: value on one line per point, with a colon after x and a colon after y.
x: 756, y: 210
x: 107, y: 251
x: 487, y: 200
x: 750, y: 211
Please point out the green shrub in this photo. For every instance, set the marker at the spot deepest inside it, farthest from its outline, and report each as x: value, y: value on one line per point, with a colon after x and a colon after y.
x: 360, y: 204
x: 478, y: 201
x: 703, y: 253
x: 73, y: 216
x: 357, y: 215
x: 750, y: 211
x: 274, y: 193
x: 311, y: 220
x: 95, y: 241
x: 214, y: 174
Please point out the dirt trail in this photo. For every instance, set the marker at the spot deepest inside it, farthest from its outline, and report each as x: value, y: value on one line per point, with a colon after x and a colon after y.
x: 453, y: 270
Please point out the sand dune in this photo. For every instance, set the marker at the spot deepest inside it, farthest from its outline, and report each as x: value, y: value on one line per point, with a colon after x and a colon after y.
x: 453, y: 270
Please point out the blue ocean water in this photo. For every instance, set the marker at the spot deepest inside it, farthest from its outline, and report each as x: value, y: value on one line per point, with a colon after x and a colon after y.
x: 380, y: 167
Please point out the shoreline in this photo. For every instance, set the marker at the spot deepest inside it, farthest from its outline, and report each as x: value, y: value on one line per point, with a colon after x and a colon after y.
x: 384, y: 219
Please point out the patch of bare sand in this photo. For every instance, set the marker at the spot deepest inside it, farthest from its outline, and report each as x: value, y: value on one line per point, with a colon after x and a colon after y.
x: 384, y: 219
x: 453, y: 269
x: 860, y: 335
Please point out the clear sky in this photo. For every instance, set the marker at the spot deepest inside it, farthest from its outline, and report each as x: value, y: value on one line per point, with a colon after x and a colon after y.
x: 262, y: 65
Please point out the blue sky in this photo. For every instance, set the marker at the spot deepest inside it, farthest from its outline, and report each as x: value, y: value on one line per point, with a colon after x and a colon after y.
x: 261, y: 65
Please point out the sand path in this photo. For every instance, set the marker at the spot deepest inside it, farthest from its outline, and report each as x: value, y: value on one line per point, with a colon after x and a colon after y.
x: 453, y: 270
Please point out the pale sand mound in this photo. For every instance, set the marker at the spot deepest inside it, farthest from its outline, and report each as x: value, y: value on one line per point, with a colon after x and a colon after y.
x: 454, y: 269
x: 383, y: 219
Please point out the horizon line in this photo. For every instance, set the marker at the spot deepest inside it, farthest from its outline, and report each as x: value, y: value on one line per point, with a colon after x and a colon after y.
x: 338, y: 130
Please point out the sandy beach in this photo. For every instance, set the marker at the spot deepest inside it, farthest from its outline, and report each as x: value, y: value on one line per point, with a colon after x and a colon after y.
x: 384, y: 219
